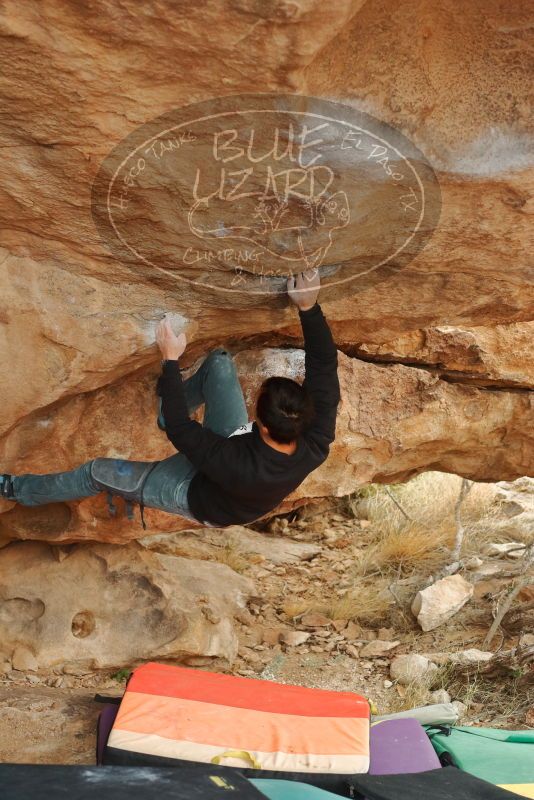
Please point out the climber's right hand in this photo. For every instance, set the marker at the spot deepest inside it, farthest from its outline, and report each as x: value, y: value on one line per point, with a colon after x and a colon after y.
x: 303, y: 289
x: 170, y: 345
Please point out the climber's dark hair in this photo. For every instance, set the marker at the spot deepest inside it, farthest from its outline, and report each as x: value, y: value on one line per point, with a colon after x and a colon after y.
x: 285, y: 408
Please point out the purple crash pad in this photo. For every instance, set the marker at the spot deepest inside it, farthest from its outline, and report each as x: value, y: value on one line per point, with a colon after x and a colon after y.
x: 400, y: 746
x: 105, y: 723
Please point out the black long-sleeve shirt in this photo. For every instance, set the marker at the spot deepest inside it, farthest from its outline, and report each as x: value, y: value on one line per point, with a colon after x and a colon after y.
x: 241, y: 478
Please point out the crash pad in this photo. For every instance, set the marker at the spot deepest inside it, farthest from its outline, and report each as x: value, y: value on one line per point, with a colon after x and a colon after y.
x: 174, y: 716
x: 496, y: 755
x: 398, y: 746
x: 448, y: 783
x: 292, y: 790
x: 522, y: 789
x: 51, y: 782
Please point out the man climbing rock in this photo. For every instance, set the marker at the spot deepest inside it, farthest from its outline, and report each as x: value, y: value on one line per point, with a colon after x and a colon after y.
x: 227, y: 471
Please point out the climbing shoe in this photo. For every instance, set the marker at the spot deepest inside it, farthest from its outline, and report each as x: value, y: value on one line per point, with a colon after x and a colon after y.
x: 6, y: 487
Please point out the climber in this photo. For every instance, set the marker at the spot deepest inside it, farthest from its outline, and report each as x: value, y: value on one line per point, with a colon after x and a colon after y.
x: 228, y: 470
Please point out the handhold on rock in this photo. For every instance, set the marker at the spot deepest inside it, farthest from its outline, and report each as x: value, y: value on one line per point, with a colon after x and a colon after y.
x: 437, y: 603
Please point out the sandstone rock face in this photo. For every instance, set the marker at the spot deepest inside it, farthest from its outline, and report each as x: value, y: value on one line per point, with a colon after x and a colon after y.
x: 481, y: 356
x: 516, y: 499
x: 24, y: 660
x: 127, y: 605
x: 236, y: 538
x: 77, y: 333
x: 437, y: 603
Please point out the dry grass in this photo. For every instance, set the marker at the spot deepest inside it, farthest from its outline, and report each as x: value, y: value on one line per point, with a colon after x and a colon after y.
x: 417, y: 693
x: 488, y: 699
x: 412, y: 548
x: 419, y: 540
x: 295, y: 607
x: 232, y: 557
x: 494, y: 700
x: 369, y: 606
x: 430, y: 497
x: 491, y: 529
x: 413, y: 696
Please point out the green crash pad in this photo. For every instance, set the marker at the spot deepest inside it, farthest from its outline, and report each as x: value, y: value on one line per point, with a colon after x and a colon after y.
x: 436, y: 784
x: 292, y: 790
x: 495, y: 755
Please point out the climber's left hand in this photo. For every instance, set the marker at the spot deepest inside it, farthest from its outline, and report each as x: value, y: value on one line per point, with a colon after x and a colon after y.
x: 170, y: 345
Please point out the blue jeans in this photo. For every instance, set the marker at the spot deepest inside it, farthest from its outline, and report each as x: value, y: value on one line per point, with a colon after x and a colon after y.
x: 216, y: 386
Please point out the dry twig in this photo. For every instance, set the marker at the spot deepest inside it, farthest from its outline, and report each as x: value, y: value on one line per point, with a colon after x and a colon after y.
x: 465, y: 488
x: 455, y: 563
x: 394, y: 499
